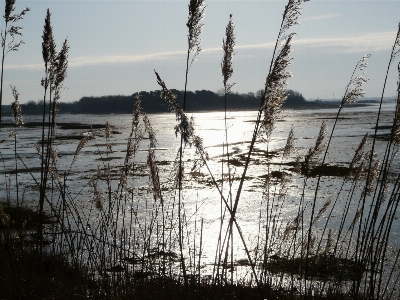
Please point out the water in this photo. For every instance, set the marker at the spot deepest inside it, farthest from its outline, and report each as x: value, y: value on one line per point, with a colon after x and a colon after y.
x: 201, y: 199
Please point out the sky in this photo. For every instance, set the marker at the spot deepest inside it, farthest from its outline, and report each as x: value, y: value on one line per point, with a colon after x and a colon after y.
x: 115, y: 46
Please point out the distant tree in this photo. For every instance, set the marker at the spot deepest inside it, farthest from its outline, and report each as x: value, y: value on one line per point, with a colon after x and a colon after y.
x: 250, y: 94
x: 259, y: 93
x: 294, y: 99
x: 201, y: 100
x: 30, y: 107
x: 220, y: 92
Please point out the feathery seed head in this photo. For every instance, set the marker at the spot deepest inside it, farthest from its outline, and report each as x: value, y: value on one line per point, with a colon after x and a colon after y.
x: 16, y: 108
x: 322, y: 210
x: 9, y: 8
x: 136, y: 134
x: 81, y: 145
x: 275, y: 85
x: 228, y: 44
x: 59, y: 66
x: 358, y: 155
x: 154, y: 178
x: 48, y: 45
x: 289, y: 144
x: 198, y: 144
x: 54, y: 154
x: 54, y: 174
x: 38, y: 149
x: 354, y: 88
x: 290, y: 15
x: 276, y: 81
x: 196, y: 14
x: 314, y: 151
x: 290, y: 227
x: 355, y: 219
x: 396, y: 46
x: 10, y: 28
x: 185, y: 126
x: 373, y: 172
x: 149, y: 129
x: 321, y: 136
x: 98, y: 198
x: 15, y: 30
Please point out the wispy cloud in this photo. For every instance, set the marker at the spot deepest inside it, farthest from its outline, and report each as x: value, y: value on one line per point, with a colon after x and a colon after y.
x: 363, y: 43
x: 105, y: 59
x: 24, y: 67
x: 356, y: 44
x: 320, y: 17
x: 112, y: 59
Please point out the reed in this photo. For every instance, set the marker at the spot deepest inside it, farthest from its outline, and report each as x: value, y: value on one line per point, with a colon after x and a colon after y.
x: 136, y: 235
x: 228, y: 45
x: 8, y: 34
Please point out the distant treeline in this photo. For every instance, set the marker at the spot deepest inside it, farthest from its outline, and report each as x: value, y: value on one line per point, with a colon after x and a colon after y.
x: 152, y: 103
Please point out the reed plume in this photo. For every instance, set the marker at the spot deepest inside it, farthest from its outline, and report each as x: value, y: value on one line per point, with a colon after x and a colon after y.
x: 323, y: 209
x: 136, y: 129
x: 275, y: 85
x: 354, y: 88
x: 185, y: 125
x: 276, y: 81
x: 372, y: 173
x: 228, y: 44
x: 16, y: 108
x: 82, y: 143
x: 58, y: 70
x: 317, y: 149
x: 48, y: 44
x: 198, y: 145
x: 289, y: 144
x: 151, y: 161
x: 358, y: 154
x: 194, y: 25
x: 98, y: 197
x: 396, y: 46
x: 12, y: 30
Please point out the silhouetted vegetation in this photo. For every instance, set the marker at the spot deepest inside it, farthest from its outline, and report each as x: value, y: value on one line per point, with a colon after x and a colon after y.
x: 203, y: 100
x: 102, y: 236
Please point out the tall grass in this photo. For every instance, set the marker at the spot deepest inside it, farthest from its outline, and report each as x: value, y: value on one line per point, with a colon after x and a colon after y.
x: 8, y: 34
x: 125, y: 230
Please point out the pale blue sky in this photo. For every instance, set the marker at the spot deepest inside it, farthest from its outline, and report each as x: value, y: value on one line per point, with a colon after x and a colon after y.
x: 116, y: 45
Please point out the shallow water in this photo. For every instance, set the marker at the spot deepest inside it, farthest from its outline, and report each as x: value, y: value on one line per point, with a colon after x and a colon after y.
x: 201, y: 199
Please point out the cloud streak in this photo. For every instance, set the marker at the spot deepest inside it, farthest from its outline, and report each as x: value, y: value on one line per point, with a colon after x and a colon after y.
x: 320, y: 17
x: 379, y: 41
x: 374, y: 42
